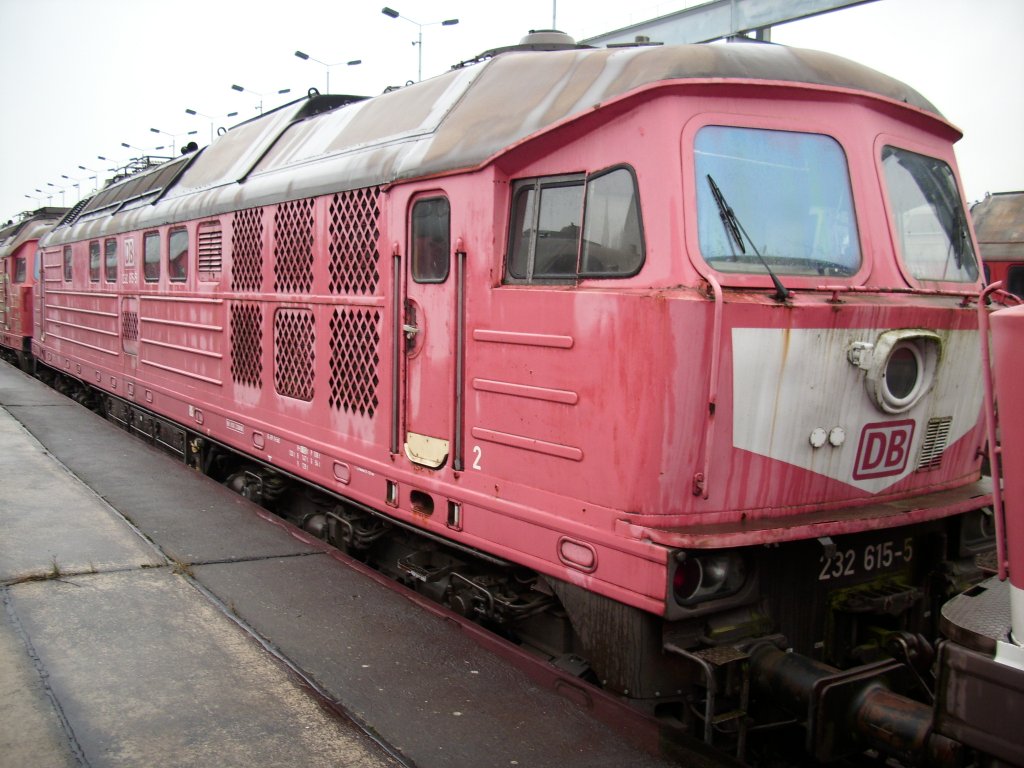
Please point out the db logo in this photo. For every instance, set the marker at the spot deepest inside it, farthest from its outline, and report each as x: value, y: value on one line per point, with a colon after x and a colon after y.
x: 884, y: 449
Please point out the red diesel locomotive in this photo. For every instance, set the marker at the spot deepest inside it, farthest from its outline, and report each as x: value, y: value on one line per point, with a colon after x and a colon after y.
x: 660, y: 360
x: 17, y: 279
x: 999, y: 226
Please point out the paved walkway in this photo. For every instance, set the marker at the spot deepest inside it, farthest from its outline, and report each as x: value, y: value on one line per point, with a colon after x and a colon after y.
x: 153, y: 618
x: 108, y: 656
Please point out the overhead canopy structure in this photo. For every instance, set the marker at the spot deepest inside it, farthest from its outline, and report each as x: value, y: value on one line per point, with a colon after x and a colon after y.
x: 718, y: 19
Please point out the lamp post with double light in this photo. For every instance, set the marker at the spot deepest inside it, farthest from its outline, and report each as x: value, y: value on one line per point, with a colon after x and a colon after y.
x: 174, y: 138
x: 211, y: 118
x: 307, y: 57
x: 242, y: 89
x: 392, y: 13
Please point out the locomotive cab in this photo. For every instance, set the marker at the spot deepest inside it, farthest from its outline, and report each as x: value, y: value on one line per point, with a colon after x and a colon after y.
x: 775, y: 380
x: 19, y: 270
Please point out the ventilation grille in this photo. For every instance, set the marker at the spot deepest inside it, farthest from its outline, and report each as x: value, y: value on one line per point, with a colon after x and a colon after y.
x: 129, y: 326
x: 247, y: 344
x: 354, y: 359
x: 936, y: 437
x: 294, y: 341
x: 354, y: 234
x: 209, y: 244
x: 247, y: 250
x: 293, y: 247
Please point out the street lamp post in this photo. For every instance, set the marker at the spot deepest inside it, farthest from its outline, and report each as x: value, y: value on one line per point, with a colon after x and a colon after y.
x: 76, y: 183
x: 211, y: 118
x: 59, y: 189
x: 240, y: 89
x: 95, y: 178
x: 307, y: 57
x: 174, y: 138
x: 140, y: 149
x: 392, y: 13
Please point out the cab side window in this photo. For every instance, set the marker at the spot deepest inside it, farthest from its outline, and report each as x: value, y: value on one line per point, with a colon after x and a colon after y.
x: 110, y: 261
x: 177, y: 255
x: 67, y: 264
x: 94, y: 261
x: 151, y: 257
x: 1015, y: 280
x: 580, y: 226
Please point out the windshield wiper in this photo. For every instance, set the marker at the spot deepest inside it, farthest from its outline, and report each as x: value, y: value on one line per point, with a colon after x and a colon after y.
x: 735, y: 232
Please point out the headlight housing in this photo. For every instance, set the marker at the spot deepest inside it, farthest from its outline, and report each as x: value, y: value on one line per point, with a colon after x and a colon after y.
x: 704, y: 576
x: 900, y: 368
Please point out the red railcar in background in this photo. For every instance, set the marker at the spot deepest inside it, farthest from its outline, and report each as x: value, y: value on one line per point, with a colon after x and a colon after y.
x: 999, y: 226
x: 661, y: 360
x: 18, y: 273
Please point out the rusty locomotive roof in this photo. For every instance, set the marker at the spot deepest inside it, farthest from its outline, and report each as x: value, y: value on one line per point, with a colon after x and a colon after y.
x: 456, y: 121
x: 32, y: 226
x: 999, y: 225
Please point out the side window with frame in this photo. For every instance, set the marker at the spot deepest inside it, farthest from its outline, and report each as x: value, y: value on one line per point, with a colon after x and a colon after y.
x: 431, y: 240
x: 19, y: 269
x: 151, y: 257
x: 177, y: 255
x: 567, y: 227
x: 68, y: 264
x: 94, y: 261
x: 1015, y: 280
x: 110, y: 261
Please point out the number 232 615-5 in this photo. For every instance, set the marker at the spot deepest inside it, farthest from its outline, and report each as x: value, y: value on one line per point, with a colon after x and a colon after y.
x: 872, y: 557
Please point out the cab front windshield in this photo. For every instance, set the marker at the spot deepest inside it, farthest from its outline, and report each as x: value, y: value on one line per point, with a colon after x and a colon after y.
x: 785, y: 202
x: 928, y: 218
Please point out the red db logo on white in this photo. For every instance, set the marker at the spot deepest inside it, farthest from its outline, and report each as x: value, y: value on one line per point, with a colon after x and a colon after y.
x: 884, y: 449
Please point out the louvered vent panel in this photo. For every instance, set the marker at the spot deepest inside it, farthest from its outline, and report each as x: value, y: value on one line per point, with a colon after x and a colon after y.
x: 247, y: 250
x: 247, y: 344
x: 293, y: 247
x: 354, y: 230
x: 936, y: 437
x: 294, y: 341
x: 210, y: 246
x: 355, y: 340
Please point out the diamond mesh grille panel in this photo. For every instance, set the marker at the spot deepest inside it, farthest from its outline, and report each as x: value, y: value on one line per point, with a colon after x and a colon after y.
x: 355, y: 339
x: 293, y: 246
x: 294, y: 341
x: 247, y: 250
x: 354, y: 231
x: 129, y: 326
x: 247, y: 344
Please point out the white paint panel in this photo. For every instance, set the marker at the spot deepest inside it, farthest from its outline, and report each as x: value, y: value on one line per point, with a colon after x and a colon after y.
x: 787, y: 383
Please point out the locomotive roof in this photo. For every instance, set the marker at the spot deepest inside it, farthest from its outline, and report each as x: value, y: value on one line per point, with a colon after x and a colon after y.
x: 999, y: 225
x: 31, y: 227
x: 458, y: 120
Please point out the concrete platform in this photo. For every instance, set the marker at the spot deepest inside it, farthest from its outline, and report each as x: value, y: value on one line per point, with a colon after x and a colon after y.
x: 152, y: 617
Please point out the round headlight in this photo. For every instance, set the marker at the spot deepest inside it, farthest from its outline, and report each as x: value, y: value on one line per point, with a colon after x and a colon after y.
x: 900, y: 368
x: 902, y: 376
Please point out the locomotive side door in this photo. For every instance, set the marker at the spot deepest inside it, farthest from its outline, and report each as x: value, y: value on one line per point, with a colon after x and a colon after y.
x: 428, y: 331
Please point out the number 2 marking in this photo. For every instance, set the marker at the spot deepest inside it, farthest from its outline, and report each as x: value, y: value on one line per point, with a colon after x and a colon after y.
x: 477, y: 455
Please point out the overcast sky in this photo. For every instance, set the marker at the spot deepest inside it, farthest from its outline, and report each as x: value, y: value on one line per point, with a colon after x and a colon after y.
x: 79, y: 77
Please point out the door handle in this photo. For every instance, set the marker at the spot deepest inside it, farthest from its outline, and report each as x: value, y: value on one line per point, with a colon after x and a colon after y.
x: 410, y: 331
